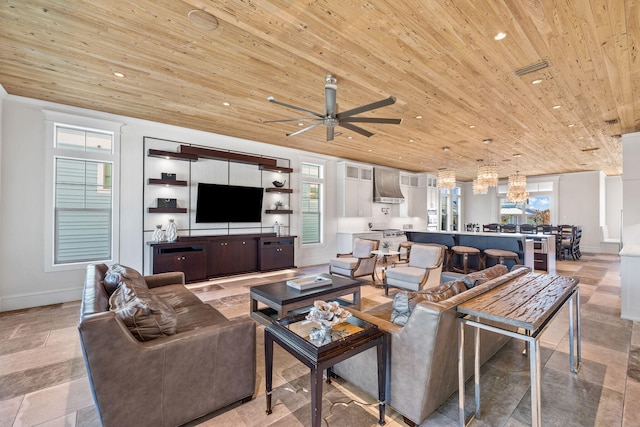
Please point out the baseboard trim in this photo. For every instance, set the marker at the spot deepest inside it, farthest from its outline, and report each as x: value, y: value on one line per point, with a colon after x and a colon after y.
x: 36, y: 299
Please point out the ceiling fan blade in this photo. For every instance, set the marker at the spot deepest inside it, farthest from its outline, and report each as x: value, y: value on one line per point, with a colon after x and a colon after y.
x: 355, y: 129
x: 272, y: 99
x: 304, y: 130
x: 372, y: 120
x: 368, y: 107
x: 304, y: 119
x: 330, y: 133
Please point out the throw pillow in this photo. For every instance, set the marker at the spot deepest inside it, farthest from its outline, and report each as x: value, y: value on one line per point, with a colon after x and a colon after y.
x: 144, y: 313
x: 117, y: 273
x: 405, y: 302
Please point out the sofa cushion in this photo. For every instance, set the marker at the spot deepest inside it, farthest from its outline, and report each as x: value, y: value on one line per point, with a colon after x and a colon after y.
x: 407, y: 274
x: 348, y: 263
x: 362, y: 248
x: 177, y: 296
x: 144, y: 313
x: 405, y: 302
x: 117, y: 273
x: 198, y: 316
x: 479, y: 277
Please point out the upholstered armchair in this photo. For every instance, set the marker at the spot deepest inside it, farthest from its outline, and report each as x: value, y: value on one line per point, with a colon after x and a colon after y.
x: 422, y: 271
x: 359, y: 262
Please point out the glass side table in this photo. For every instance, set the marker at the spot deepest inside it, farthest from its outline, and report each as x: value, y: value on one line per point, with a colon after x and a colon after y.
x: 345, y: 340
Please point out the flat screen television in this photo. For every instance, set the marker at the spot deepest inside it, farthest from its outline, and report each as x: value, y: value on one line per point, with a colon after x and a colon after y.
x: 228, y: 203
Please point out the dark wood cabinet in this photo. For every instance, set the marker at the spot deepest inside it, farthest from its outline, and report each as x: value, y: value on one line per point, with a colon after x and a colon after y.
x: 232, y: 255
x: 276, y: 253
x: 190, y: 259
x: 202, y: 257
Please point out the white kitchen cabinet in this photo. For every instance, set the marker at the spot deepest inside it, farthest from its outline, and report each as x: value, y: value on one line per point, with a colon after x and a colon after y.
x: 355, y: 190
x: 414, y: 188
x: 432, y: 192
x: 345, y: 240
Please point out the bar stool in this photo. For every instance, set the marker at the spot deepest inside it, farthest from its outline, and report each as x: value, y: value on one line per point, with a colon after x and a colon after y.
x: 500, y: 255
x: 465, y: 252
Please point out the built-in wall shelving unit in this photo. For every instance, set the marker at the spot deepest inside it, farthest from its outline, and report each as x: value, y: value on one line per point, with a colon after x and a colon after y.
x: 192, y: 164
x: 167, y: 182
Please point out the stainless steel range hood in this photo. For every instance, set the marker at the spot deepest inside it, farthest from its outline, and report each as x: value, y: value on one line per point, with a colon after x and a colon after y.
x: 386, y: 186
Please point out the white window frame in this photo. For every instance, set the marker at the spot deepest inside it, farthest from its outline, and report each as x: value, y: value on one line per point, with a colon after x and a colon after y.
x: 322, y: 183
x: 449, y: 195
x: 52, y: 119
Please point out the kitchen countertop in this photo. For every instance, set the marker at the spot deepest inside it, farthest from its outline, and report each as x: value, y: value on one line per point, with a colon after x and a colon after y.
x: 480, y: 233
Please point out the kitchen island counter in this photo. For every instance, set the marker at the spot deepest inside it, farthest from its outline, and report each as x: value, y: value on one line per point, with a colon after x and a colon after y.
x: 522, y: 244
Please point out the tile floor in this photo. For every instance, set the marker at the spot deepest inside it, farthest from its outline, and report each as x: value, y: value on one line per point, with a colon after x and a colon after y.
x: 43, y: 380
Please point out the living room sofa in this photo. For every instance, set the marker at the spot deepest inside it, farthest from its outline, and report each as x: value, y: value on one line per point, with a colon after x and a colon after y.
x: 423, y: 367
x: 167, y: 369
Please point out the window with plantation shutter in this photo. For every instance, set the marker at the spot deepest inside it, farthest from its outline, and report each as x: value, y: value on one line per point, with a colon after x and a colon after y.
x: 83, y: 209
x: 83, y: 197
x: 311, y: 209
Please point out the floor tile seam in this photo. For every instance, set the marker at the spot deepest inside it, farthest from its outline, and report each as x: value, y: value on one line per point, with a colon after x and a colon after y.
x: 567, y: 372
x: 15, y: 416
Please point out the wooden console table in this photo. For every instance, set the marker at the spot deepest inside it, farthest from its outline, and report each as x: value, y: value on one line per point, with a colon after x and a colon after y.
x: 526, y: 304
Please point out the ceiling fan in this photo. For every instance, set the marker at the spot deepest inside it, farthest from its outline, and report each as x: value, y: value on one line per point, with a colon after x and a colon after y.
x: 331, y: 118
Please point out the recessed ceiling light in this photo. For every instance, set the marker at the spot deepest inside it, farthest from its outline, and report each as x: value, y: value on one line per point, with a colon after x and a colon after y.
x: 369, y: 150
x: 536, y: 82
x: 445, y: 149
x: 300, y: 124
x: 418, y: 117
x: 472, y: 126
x: 118, y: 74
x: 571, y: 125
x: 500, y: 36
x: 203, y: 20
x: 226, y: 104
x: 349, y: 137
x: 411, y: 140
x: 555, y: 107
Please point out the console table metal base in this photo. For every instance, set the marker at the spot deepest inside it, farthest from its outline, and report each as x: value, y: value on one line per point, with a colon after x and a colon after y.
x: 533, y: 343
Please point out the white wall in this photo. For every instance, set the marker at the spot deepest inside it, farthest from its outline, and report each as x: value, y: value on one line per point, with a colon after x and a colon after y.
x: 631, y: 183
x: 613, y: 206
x: 23, y: 280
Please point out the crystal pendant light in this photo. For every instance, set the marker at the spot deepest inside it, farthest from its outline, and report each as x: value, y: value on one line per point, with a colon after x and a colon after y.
x: 446, y: 178
x: 488, y: 173
x: 517, y: 190
x: 479, y: 187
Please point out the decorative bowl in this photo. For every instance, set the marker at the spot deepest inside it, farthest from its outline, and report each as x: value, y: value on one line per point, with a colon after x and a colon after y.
x: 279, y: 184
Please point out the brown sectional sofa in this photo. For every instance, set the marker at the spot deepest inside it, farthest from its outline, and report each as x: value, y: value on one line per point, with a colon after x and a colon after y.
x: 423, y: 353
x: 204, y: 362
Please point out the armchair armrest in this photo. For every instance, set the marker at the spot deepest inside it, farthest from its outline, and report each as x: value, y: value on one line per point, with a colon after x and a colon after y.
x: 346, y: 254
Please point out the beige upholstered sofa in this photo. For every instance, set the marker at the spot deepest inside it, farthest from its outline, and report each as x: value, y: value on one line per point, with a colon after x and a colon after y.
x: 199, y: 362
x: 423, y: 353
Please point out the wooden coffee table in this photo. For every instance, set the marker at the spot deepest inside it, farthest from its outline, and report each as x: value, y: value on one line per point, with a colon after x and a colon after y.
x: 281, y: 299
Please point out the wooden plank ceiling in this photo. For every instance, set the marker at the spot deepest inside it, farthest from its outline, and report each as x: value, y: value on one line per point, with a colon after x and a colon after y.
x: 438, y: 58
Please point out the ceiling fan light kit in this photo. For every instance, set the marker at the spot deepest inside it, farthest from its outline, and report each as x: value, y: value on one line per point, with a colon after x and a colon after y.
x: 331, y: 118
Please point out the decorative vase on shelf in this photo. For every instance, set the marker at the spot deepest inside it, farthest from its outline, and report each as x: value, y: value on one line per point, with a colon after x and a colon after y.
x: 172, y: 231
x: 158, y: 234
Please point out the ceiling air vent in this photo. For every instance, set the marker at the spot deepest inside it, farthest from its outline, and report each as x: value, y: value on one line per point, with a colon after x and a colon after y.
x: 531, y: 68
x: 611, y: 122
